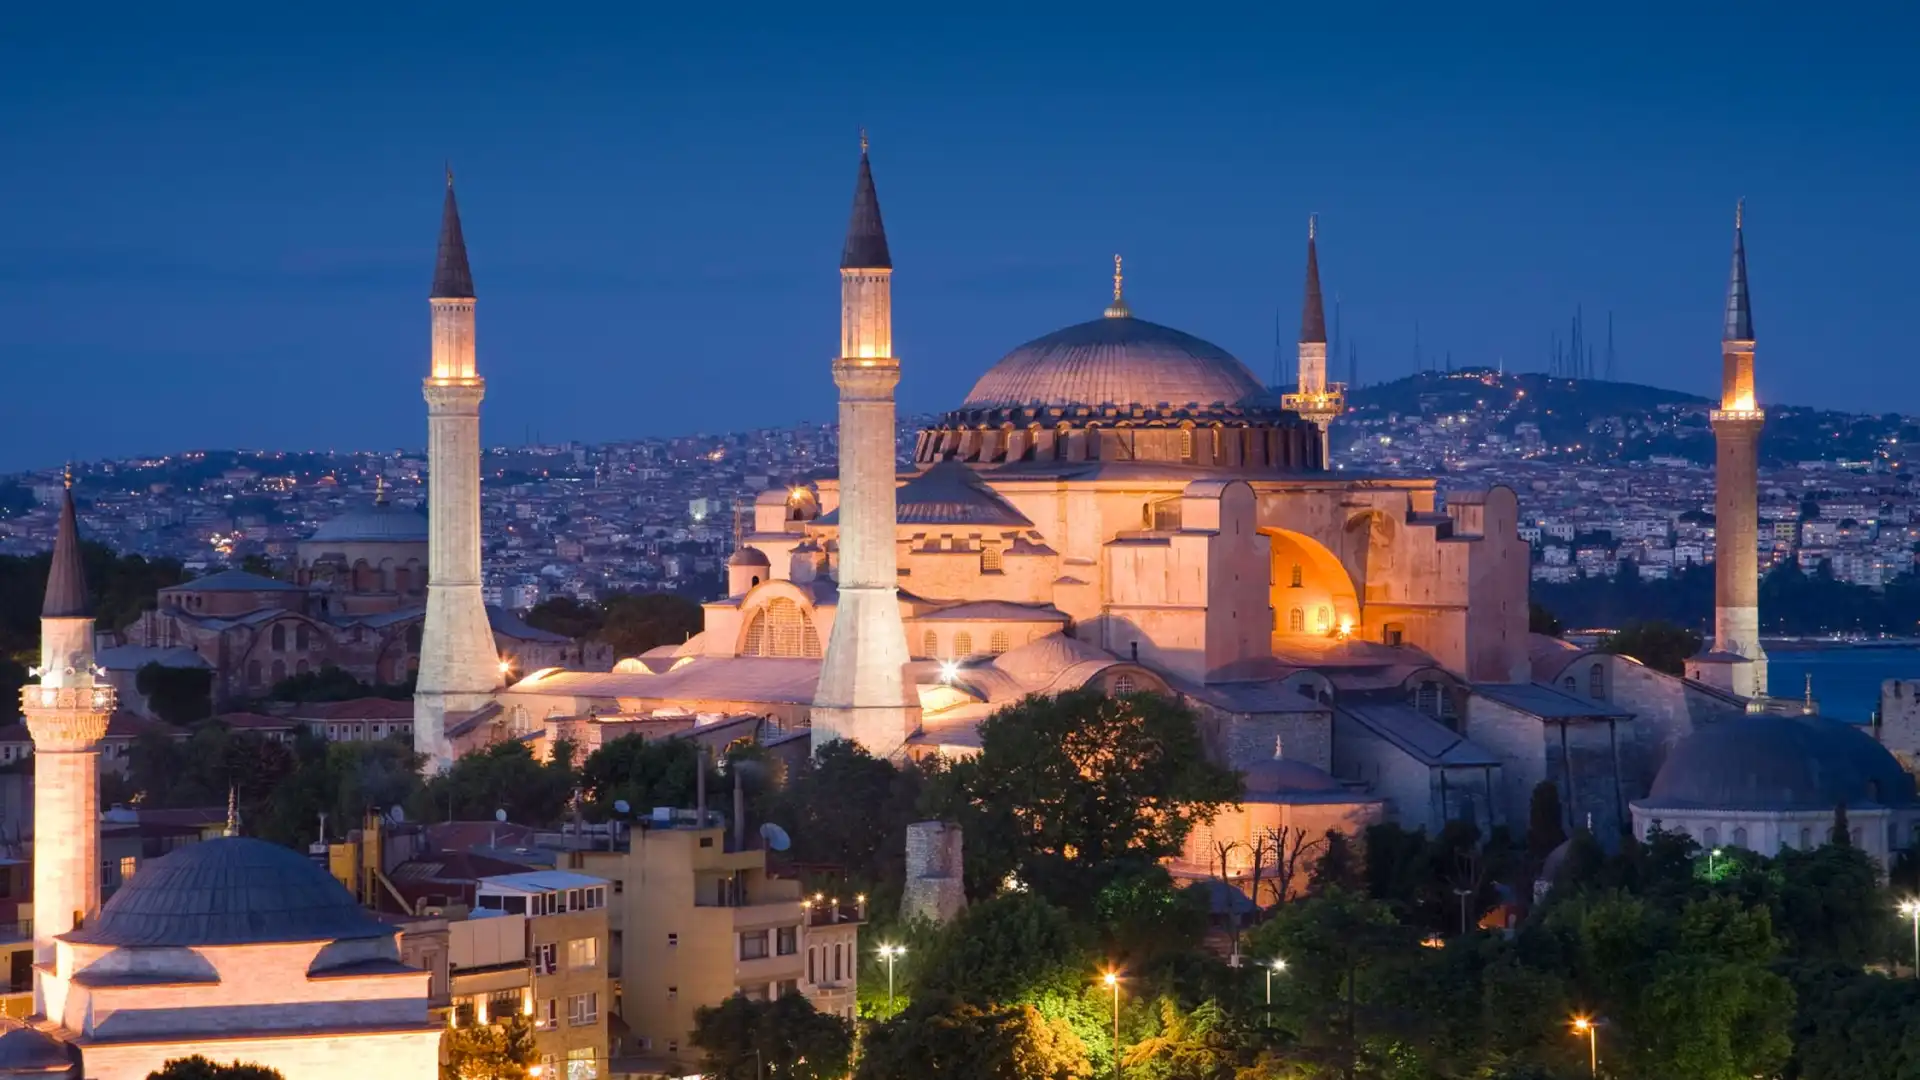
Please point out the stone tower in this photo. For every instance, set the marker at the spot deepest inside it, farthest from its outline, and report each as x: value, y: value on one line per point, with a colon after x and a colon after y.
x: 1317, y: 400
x: 1736, y: 482
x: 66, y: 713
x: 459, y: 668
x: 864, y: 694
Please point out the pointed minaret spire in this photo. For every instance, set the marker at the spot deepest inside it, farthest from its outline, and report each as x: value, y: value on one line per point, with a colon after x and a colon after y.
x: 866, y: 237
x: 1739, y: 325
x: 1313, y: 313
x: 1118, y: 309
x: 452, y: 278
x: 67, y: 577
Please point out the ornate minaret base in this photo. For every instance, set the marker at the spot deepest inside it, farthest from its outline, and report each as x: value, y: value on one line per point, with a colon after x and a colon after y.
x: 1317, y: 401
x: 863, y: 693
x: 66, y: 714
x: 459, y: 667
x: 1735, y: 661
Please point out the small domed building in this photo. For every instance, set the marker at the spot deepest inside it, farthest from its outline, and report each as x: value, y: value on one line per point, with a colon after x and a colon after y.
x: 1766, y: 782
x: 239, y: 949
x: 27, y: 1053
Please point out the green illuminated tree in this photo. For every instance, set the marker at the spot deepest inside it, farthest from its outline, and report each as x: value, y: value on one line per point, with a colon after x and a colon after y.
x: 942, y: 1037
x: 745, y: 1040
x: 200, y: 1068
x: 501, y: 1050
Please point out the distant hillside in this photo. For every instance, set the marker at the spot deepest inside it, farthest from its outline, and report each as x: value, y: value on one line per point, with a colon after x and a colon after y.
x: 1620, y: 421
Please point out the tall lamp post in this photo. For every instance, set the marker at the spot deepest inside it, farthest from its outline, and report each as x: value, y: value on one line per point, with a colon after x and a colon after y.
x: 1589, y: 1027
x: 1911, y: 909
x: 890, y: 953
x: 1277, y: 965
x: 1713, y: 859
x: 1112, y: 979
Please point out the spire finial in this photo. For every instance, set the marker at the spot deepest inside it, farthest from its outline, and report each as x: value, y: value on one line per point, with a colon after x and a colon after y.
x: 449, y: 174
x: 452, y: 277
x: 866, y: 247
x: 379, y: 489
x: 233, y: 811
x: 1808, y: 707
x: 1313, y: 221
x: 1739, y: 211
x: 863, y: 141
x: 1118, y: 309
x: 66, y: 476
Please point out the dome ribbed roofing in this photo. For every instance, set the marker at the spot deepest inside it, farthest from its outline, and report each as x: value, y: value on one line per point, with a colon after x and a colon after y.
x: 231, y: 891
x: 380, y: 522
x: 1767, y: 762
x: 1119, y: 361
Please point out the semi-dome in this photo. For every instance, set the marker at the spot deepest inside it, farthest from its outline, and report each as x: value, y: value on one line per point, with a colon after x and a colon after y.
x: 379, y: 523
x: 230, y: 891
x: 1768, y: 762
x: 1121, y: 361
x: 748, y: 555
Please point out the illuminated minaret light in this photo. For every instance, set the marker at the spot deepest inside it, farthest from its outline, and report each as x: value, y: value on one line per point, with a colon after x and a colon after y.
x: 1316, y: 400
x: 864, y: 694
x: 459, y: 668
x: 66, y: 714
x: 1736, y: 481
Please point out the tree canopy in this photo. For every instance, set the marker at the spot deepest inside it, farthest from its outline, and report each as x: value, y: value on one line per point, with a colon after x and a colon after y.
x: 742, y: 1039
x: 1661, y: 646
x: 200, y: 1068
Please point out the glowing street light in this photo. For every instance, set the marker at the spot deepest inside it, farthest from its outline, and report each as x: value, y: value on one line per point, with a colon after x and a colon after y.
x: 949, y: 671
x: 1911, y: 909
x: 1712, y: 859
x: 1112, y: 979
x: 1277, y: 965
x: 1584, y: 1025
x: 890, y: 953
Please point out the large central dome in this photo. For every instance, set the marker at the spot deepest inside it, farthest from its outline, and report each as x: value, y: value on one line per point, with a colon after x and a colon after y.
x: 1120, y: 361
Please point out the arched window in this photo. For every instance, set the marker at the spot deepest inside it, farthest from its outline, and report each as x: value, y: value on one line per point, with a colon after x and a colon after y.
x: 300, y: 667
x: 962, y: 645
x: 1186, y: 444
x: 998, y: 643
x: 1323, y: 618
x: 781, y: 629
x: 1297, y: 621
x: 400, y: 582
x: 1426, y: 698
x: 1293, y: 580
x: 1806, y: 838
x: 1123, y: 684
x: 302, y: 637
x: 1597, y: 682
x: 930, y: 645
x: 1710, y: 837
x: 1739, y: 838
x: 1393, y: 633
x: 1571, y: 684
x: 989, y: 559
x: 279, y: 637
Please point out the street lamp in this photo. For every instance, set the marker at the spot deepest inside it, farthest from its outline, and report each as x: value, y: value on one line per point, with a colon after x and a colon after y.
x: 1277, y: 965
x: 890, y: 953
x: 1911, y: 909
x: 1589, y: 1027
x: 1712, y: 859
x: 1112, y: 979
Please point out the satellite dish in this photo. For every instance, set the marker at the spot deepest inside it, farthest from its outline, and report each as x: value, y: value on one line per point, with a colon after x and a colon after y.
x: 500, y: 815
x: 620, y: 807
x: 776, y: 837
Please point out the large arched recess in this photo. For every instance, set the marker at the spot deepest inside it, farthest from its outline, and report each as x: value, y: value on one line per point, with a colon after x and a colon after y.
x: 1313, y: 595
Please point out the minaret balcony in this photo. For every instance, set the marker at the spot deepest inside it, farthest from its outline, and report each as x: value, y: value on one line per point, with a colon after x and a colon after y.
x: 74, y: 698
x: 1737, y: 416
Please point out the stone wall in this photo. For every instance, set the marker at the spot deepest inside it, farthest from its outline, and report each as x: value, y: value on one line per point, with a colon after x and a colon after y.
x: 935, y: 866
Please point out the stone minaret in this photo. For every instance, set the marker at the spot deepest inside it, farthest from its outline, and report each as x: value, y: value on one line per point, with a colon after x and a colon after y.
x: 864, y: 694
x: 1317, y: 400
x: 459, y: 668
x: 1736, y: 481
x: 67, y: 716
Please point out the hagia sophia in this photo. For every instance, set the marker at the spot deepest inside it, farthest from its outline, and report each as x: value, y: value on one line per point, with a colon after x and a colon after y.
x: 1116, y: 505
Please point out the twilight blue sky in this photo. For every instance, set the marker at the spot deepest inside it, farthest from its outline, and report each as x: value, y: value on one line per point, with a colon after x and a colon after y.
x: 219, y: 226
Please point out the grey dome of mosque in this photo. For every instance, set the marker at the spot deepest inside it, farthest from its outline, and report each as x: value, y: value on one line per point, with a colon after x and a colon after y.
x: 1778, y: 763
x: 380, y: 522
x: 1122, y: 372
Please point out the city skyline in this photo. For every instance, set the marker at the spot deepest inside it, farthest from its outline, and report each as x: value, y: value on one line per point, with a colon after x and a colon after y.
x: 648, y: 225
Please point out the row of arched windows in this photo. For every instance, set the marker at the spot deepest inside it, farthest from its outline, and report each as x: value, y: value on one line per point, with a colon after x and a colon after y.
x: 781, y: 629
x: 1322, y: 619
x: 998, y: 641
